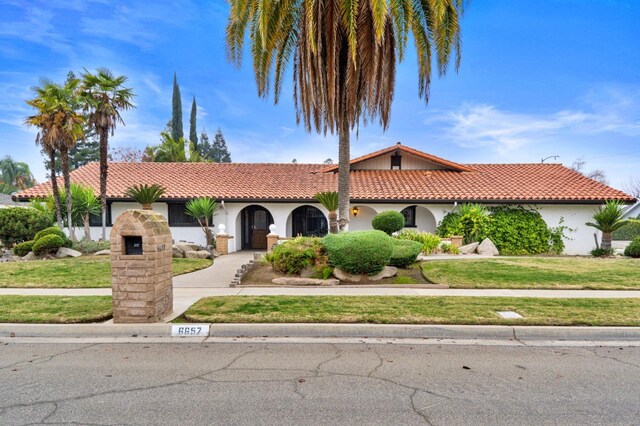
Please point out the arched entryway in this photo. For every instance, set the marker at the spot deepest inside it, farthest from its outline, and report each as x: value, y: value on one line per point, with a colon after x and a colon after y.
x: 254, y: 222
x: 420, y: 218
x: 308, y: 221
x: 360, y: 217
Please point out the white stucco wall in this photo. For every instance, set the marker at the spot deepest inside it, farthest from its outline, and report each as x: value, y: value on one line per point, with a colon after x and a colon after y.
x: 580, y: 239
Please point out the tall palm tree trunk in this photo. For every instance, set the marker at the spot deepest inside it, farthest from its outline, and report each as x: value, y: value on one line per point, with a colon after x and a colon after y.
x: 64, y: 156
x: 104, y: 145
x: 344, y: 168
x: 54, y: 186
x: 333, y: 222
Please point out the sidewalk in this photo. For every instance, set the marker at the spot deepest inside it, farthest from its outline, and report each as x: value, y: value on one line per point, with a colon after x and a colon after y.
x: 220, y: 274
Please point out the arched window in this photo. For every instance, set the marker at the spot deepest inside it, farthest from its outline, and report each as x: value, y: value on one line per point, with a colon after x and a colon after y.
x: 308, y: 221
x: 409, y: 217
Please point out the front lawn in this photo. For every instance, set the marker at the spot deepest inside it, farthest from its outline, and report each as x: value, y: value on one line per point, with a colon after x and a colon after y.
x: 414, y: 310
x: 530, y: 273
x: 81, y: 272
x: 55, y: 309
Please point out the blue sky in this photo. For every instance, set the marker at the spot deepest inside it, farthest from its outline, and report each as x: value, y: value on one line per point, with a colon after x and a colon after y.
x: 538, y: 78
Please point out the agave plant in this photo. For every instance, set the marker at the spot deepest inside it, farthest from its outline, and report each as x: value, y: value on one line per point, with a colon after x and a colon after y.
x: 608, y: 219
x: 203, y: 209
x: 330, y: 202
x: 145, y: 194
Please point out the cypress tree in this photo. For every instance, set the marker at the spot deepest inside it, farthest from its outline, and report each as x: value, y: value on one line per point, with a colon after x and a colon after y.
x: 176, y: 113
x: 219, y: 151
x: 193, y: 134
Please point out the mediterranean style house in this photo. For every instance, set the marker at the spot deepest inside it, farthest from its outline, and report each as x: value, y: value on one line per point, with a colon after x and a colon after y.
x: 253, y: 196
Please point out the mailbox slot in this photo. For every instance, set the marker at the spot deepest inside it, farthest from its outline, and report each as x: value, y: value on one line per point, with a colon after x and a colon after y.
x: 132, y: 245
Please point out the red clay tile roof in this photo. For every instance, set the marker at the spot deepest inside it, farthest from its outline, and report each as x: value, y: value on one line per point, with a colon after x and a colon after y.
x: 446, y: 163
x: 248, y: 181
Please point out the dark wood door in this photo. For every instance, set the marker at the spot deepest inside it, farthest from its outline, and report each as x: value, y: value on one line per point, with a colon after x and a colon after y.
x: 256, y: 227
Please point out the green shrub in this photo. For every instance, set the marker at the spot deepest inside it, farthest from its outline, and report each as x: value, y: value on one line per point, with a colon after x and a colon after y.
x: 518, y: 231
x: 359, y: 252
x: 469, y: 221
x: 89, y: 246
x: 23, y: 249
x: 600, y: 252
x: 48, y: 244
x: 292, y: 256
x: 627, y: 232
x: 405, y: 252
x: 430, y: 242
x: 450, y: 225
x: 52, y: 230
x: 21, y: 224
x: 449, y: 248
x: 633, y: 249
x: 388, y: 221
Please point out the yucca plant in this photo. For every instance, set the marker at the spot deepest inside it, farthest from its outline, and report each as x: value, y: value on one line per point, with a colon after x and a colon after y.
x: 203, y: 209
x: 608, y: 219
x: 330, y: 202
x: 145, y: 194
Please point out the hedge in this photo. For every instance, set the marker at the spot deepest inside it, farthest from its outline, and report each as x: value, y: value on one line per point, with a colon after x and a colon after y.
x: 627, y: 232
x: 359, y: 252
x: 388, y: 222
x: 292, y: 256
x: 405, y: 252
x: 633, y: 249
x: 48, y: 244
x: 21, y: 224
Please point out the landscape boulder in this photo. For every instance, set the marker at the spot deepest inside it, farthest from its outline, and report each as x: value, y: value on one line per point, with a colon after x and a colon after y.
x: 188, y: 247
x: 304, y: 281
x: 197, y: 254
x: 30, y: 256
x: 487, y: 248
x: 177, y: 252
x: 102, y: 253
x: 387, y: 272
x: 67, y: 252
x: 469, y: 248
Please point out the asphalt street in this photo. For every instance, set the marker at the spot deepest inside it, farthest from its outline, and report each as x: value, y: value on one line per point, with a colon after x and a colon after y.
x: 302, y: 383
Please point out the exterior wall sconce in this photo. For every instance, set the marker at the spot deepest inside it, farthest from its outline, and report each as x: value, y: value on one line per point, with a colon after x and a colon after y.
x: 355, y: 211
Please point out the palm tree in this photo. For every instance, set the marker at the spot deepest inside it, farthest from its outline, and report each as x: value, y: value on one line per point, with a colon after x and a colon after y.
x: 344, y: 56
x: 330, y: 202
x: 145, y: 194
x: 203, y: 209
x: 47, y: 136
x: 607, y: 219
x: 104, y: 96
x: 169, y: 150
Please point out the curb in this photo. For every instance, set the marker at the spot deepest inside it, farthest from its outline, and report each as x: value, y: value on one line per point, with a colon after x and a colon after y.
x: 391, y: 331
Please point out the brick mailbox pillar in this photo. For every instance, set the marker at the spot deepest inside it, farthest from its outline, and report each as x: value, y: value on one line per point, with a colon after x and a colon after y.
x: 141, y: 274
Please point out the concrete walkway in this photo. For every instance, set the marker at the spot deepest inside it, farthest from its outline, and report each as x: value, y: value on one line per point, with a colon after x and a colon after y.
x: 220, y: 274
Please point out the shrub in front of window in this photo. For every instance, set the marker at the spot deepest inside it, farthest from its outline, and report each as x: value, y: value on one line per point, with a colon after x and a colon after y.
x: 21, y: 224
x: 23, y: 249
x: 48, y: 244
x: 430, y: 242
x: 292, y: 256
x: 389, y: 222
x: 359, y: 252
x: 633, y: 249
x: 405, y: 252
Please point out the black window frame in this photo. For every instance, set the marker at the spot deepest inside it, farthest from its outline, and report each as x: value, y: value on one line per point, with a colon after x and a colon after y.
x: 172, y: 219
x: 95, y: 220
x: 411, y: 213
x: 302, y: 216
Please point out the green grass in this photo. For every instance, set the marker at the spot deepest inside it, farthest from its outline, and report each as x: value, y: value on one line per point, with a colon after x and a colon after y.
x: 55, y: 309
x: 542, y: 273
x: 81, y: 272
x: 414, y: 310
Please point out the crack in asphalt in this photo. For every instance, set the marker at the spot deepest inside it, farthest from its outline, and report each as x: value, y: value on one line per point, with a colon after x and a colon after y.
x: 595, y: 352
x: 416, y: 410
x: 46, y: 358
x: 380, y: 362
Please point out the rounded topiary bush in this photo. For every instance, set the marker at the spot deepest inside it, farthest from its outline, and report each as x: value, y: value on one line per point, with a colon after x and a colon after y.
x: 633, y: 249
x: 22, y: 249
x: 388, y: 222
x: 52, y: 230
x: 292, y: 256
x: 359, y: 252
x: 627, y: 232
x: 405, y: 252
x: 48, y: 244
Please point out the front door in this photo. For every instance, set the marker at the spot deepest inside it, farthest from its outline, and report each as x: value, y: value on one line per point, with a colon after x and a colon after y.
x: 256, y: 227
